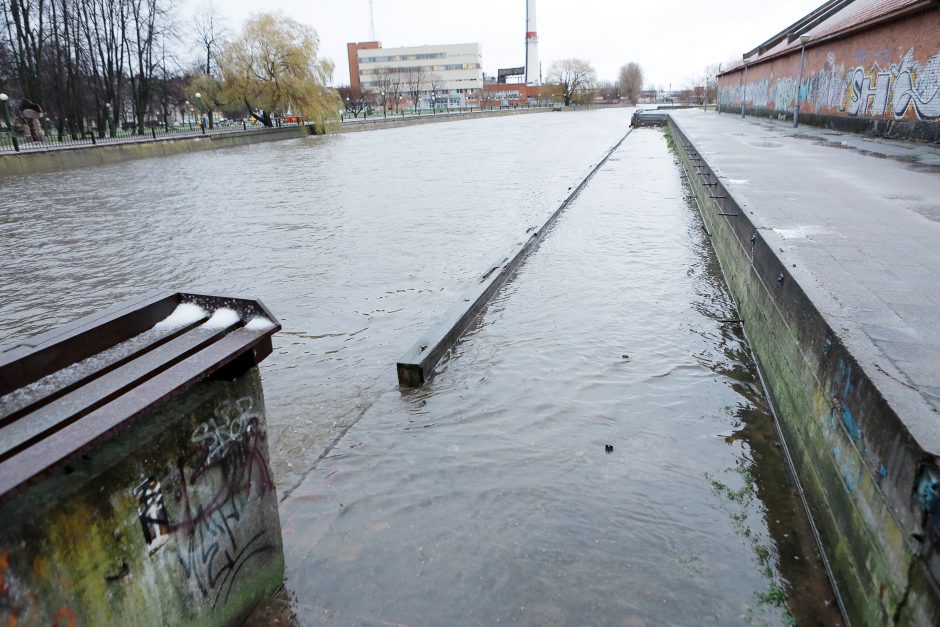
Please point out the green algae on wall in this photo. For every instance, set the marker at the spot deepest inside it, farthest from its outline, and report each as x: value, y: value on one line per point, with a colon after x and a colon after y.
x: 175, y: 521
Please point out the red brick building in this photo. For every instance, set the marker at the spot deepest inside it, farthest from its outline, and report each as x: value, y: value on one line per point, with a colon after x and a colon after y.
x: 870, y: 65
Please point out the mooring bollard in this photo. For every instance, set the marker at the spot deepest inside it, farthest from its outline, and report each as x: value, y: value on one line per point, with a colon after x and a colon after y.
x: 134, y: 473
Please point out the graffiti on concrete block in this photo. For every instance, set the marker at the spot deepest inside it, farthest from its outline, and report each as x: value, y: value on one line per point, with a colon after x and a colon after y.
x: 230, y: 429
x: 152, y: 512
x: 225, y: 472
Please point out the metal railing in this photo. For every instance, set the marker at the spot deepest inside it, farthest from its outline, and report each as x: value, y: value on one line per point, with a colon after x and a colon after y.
x: 52, y: 140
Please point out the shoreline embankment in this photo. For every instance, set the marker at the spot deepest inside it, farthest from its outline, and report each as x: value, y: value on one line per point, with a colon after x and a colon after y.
x: 84, y: 156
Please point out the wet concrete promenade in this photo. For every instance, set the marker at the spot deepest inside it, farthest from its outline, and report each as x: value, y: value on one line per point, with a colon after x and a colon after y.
x: 491, y: 496
x: 857, y: 221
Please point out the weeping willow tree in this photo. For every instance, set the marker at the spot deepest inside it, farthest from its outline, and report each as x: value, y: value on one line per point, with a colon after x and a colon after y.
x: 272, y: 67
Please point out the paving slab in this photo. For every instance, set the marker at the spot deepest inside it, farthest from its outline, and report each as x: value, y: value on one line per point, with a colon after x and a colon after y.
x: 857, y: 222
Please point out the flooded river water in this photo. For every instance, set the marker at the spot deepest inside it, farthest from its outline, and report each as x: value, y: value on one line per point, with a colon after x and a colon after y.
x: 597, y: 451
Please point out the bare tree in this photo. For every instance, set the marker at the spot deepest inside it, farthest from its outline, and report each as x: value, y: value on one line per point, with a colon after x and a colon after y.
x: 435, y: 86
x: 146, y: 18
x: 209, y: 37
x: 26, y: 32
x: 414, y: 84
x: 384, y: 84
x: 631, y: 82
x: 485, y: 97
x: 210, y: 34
x: 575, y: 79
x: 609, y: 92
x: 711, y: 82
x: 395, y: 88
x: 354, y: 100
x: 63, y: 85
x: 104, y: 26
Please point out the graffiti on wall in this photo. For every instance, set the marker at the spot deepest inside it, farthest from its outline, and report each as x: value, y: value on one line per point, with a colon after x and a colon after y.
x: 225, y: 472
x: 217, y: 485
x: 879, y: 90
x: 152, y: 513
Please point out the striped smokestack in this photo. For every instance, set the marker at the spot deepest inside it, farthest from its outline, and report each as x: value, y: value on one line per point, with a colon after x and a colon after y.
x: 533, y: 71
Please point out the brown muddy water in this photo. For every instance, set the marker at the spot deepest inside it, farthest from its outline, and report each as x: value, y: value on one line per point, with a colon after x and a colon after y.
x: 489, y: 497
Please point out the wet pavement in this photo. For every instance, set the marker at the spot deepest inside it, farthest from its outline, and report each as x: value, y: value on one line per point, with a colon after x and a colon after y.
x: 857, y: 223
x: 598, y: 450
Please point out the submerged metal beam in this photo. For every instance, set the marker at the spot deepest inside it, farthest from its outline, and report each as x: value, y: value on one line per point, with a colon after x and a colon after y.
x: 417, y: 365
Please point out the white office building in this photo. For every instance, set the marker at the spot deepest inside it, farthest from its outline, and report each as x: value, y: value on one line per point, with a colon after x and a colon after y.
x: 453, y: 73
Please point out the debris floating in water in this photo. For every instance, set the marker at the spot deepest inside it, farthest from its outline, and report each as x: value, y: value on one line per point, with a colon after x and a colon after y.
x: 222, y: 319
x: 184, y: 315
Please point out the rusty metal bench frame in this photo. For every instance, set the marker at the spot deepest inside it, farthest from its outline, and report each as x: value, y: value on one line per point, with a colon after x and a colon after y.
x: 63, y: 422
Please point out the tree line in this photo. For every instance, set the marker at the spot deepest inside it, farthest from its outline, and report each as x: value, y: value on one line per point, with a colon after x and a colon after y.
x: 103, y: 65
x: 574, y: 81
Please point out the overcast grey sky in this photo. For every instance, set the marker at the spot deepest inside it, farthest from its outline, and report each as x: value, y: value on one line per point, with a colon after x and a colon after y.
x: 673, y: 40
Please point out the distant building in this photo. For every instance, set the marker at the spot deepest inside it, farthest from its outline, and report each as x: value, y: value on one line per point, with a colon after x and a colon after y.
x: 453, y: 73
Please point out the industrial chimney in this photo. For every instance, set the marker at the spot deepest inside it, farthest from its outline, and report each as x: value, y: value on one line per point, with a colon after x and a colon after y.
x: 533, y: 71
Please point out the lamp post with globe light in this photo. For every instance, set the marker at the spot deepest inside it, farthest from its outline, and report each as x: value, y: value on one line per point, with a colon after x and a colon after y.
x: 6, y: 111
x: 202, y: 123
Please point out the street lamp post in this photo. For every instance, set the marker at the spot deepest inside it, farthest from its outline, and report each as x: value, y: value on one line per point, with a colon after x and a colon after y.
x: 744, y: 93
x: 6, y: 111
x: 718, y: 90
x: 804, y: 39
x: 202, y: 124
x: 111, y: 127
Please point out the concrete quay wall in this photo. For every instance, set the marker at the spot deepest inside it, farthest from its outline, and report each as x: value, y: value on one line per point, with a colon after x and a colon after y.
x: 61, y: 159
x: 371, y: 124
x: 869, y: 484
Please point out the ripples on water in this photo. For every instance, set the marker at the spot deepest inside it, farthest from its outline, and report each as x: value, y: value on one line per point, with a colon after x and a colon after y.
x: 487, y: 497
x: 356, y: 242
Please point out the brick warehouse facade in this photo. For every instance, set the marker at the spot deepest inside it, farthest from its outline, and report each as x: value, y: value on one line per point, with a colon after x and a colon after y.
x: 871, y: 66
